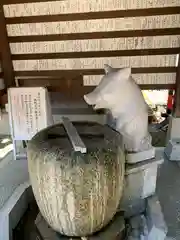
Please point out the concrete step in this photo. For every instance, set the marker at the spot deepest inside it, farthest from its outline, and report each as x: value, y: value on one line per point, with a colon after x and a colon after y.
x: 15, y: 194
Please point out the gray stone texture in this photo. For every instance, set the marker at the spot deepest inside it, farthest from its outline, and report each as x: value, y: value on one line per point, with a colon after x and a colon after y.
x: 173, y: 129
x: 133, y: 209
x: 155, y: 220
x: 113, y: 231
x: 140, y: 183
x: 138, y: 227
x: 12, y: 175
x: 172, y: 149
x: 45, y: 231
x: 132, y: 158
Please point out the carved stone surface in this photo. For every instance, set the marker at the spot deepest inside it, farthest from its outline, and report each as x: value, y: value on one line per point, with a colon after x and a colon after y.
x: 119, y: 93
x: 78, y: 194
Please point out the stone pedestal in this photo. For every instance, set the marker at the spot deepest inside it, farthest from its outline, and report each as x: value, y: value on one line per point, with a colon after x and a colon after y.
x: 115, y: 230
x: 140, y: 183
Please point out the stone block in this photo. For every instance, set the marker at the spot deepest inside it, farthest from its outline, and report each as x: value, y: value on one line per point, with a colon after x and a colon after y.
x: 172, y: 149
x: 140, y: 183
x: 12, y: 174
x: 138, y: 228
x: 151, y: 226
x: 173, y: 129
x: 13, y: 210
x: 157, y: 227
x: 14, y: 194
x: 144, y: 227
x: 133, y: 208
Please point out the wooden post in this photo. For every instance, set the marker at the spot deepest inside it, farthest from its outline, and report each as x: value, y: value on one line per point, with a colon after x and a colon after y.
x: 176, y: 112
x: 5, y: 52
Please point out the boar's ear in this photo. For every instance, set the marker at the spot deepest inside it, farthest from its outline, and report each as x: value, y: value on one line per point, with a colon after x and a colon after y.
x: 107, y: 68
x: 124, y: 73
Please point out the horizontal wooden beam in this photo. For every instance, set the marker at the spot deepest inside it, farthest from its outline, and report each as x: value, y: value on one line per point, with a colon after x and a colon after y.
x: 90, y: 54
x: 83, y: 89
x: 6, y: 2
x: 50, y: 78
x: 95, y: 15
x: 157, y: 86
x: 87, y: 89
x: 96, y: 35
x: 77, y: 72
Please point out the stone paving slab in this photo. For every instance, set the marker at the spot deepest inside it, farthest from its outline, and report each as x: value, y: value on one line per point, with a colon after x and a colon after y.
x: 155, y: 220
x: 12, y: 175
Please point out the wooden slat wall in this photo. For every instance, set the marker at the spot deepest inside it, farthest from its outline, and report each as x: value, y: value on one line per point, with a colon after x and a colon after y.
x: 5, y: 54
x: 1, y: 80
x: 2, y: 85
x: 74, y: 39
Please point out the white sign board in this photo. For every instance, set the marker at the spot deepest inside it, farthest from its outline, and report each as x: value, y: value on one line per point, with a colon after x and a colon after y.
x: 29, y: 111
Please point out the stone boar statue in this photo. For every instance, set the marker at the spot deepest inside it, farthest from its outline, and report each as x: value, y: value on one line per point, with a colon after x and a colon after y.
x: 119, y: 93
